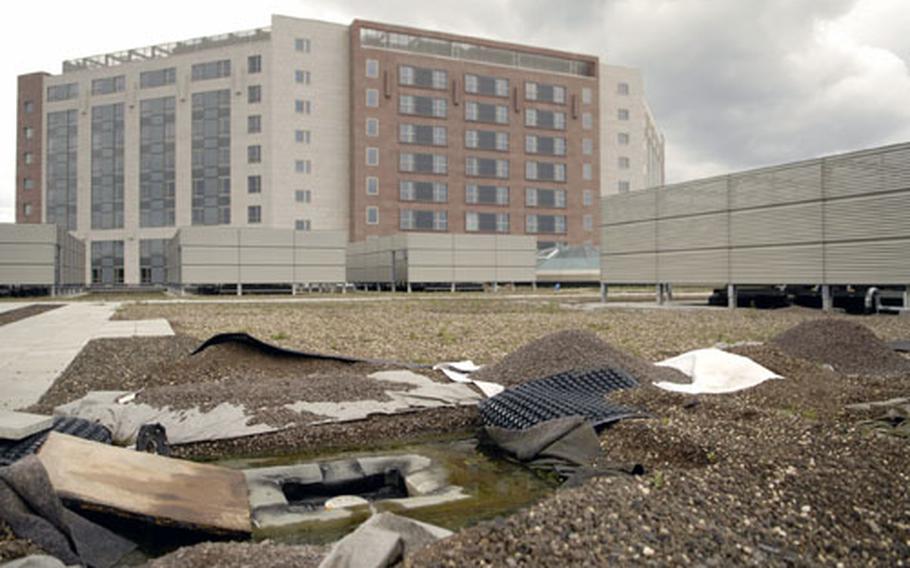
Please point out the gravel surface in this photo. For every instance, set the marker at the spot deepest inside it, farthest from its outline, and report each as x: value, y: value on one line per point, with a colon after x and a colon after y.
x: 26, y: 312
x: 12, y: 547
x: 570, y: 350
x: 265, y: 554
x: 775, y: 475
x: 847, y: 346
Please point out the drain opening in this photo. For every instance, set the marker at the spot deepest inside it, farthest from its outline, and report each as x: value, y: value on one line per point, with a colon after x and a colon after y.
x: 313, y: 496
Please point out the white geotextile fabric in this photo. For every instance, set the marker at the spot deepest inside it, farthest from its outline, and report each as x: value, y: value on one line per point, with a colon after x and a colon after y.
x: 460, y: 372
x: 715, y: 372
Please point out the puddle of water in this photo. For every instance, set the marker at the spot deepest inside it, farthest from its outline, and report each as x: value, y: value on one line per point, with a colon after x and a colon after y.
x: 496, y: 487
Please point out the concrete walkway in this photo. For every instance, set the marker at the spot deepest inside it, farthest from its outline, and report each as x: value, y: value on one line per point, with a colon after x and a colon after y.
x: 10, y: 306
x: 36, y: 350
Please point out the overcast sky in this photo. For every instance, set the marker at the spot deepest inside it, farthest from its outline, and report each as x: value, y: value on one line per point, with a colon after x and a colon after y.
x: 733, y: 84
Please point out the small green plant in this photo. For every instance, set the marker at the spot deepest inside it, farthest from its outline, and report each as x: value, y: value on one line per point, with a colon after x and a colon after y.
x: 658, y: 480
x: 280, y: 336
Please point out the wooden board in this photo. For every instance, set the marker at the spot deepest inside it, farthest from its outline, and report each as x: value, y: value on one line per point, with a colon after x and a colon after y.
x: 169, y: 491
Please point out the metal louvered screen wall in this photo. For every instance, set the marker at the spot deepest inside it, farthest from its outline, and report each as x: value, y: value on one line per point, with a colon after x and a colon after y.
x: 842, y: 219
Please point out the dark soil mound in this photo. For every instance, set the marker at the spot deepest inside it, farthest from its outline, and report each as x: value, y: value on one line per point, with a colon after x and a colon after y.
x: 849, y: 347
x: 570, y: 350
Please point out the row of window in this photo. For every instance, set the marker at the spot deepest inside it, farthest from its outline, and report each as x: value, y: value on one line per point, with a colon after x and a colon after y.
x: 427, y: 220
x: 426, y: 163
x: 438, y: 192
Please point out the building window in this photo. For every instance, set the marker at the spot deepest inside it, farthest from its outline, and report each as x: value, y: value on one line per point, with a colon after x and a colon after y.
x: 486, y: 222
x: 107, y: 153
x: 485, y: 112
x: 547, y: 198
x: 545, y: 93
x: 27, y: 209
x: 623, y: 138
x: 302, y: 107
x: 302, y: 225
x: 303, y: 196
x: 622, y: 186
x: 586, y: 95
x: 426, y: 191
x: 63, y: 92
x: 157, y: 78
x: 586, y: 171
x: 302, y: 44
x: 157, y: 168
x: 486, y: 167
x: 545, y: 119
x: 587, y: 120
x: 587, y: 198
x: 489, y: 86
x: 254, y: 64
x: 372, y: 98
x: 546, y: 171
x: 622, y: 114
x: 254, y: 94
x: 302, y: 77
x: 108, y: 85
x: 623, y: 162
x: 422, y: 77
x: 486, y: 140
x: 372, y: 127
x: 29, y: 107
x: 372, y: 215
x: 254, y: 184
x: 422, y: 106
x: 29, y: 158
x: 372, y: 185
x: 62, y: 135
x: 372, y: 156
x: 622, y: 89
x: 211, y: 70
x: 254, y: 124
x: 486, y: 194
x: 547, y: 145
x: 372, y: 68
x: 29, y: 132
x: 303, y: 166
x: 253, y: 214
x: 588, y: 222
x: 413, y: 219
x: 254, y: 154
x: 423, y: 134
x: 107, y: 262
x: 302, y: 136
x: 545, y: 224
x: 587, y: 146
x: 28, y: 183
x: 423, y: 163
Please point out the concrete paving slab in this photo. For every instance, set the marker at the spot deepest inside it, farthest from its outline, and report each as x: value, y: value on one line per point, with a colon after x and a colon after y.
x: 10, y: 306
x: 18, y: 425
x: 36, y: 350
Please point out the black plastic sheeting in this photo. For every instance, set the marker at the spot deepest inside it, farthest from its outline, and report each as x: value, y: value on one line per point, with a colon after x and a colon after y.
x: 12, y: 451
x: 274, y: 350
x: 902, y: 346
x: 565, y: 394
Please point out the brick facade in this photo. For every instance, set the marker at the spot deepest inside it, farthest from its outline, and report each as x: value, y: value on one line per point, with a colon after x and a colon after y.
x: 29, y: 147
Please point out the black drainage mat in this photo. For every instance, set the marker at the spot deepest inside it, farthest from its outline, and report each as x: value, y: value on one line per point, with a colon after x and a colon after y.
x: 13, y: 450
x: 579, y: 393
x: 902, y: 346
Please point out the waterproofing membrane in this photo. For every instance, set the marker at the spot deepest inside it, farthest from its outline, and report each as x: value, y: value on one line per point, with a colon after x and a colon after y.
x: 275, y: 350
x: 13, y: 450
x: 578, y: 393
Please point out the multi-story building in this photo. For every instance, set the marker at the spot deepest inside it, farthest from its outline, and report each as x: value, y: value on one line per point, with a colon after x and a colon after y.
x: 307, y: 125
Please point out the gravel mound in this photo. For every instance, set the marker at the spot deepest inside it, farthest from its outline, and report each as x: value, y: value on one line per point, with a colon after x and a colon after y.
x: 570, y: 350
x: 264, y: 554
x: 849, y: 347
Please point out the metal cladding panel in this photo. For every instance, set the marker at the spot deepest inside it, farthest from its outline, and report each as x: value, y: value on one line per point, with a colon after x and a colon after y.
x: 701, y: 231
x: 516, y: 259
x: 693, y: 198
x: 516, y: 243
x: 474, y: 258
x: 28, y: 233
x: 267, y: 237
x: 853, y: 175
x: 628, y: 268
x: 428, y: 257
x: 266, y: 255
x: 896, y: 169
x: 318, y: 257
x: 799, y: 264
x: 515, y: 274
x: 397, y: 241
x: 209, y: 256
x: 27, y: 253
x: 869, y: 217
x: 694, y: 267
x: 475, y: 242
x: 23, y: 274
x: 625, y: 207
x: 870, y: 262
x: 194, y: 274
x: 786, y: 184
x: 319, y: 274
x: 429, y: 241
x: 474, y: 274
x: 212, y: 236
x: 640, y: 236
x: 431, y: 274
x: 789, y: 224
x: 271, y: 274
x: 320, y: 239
